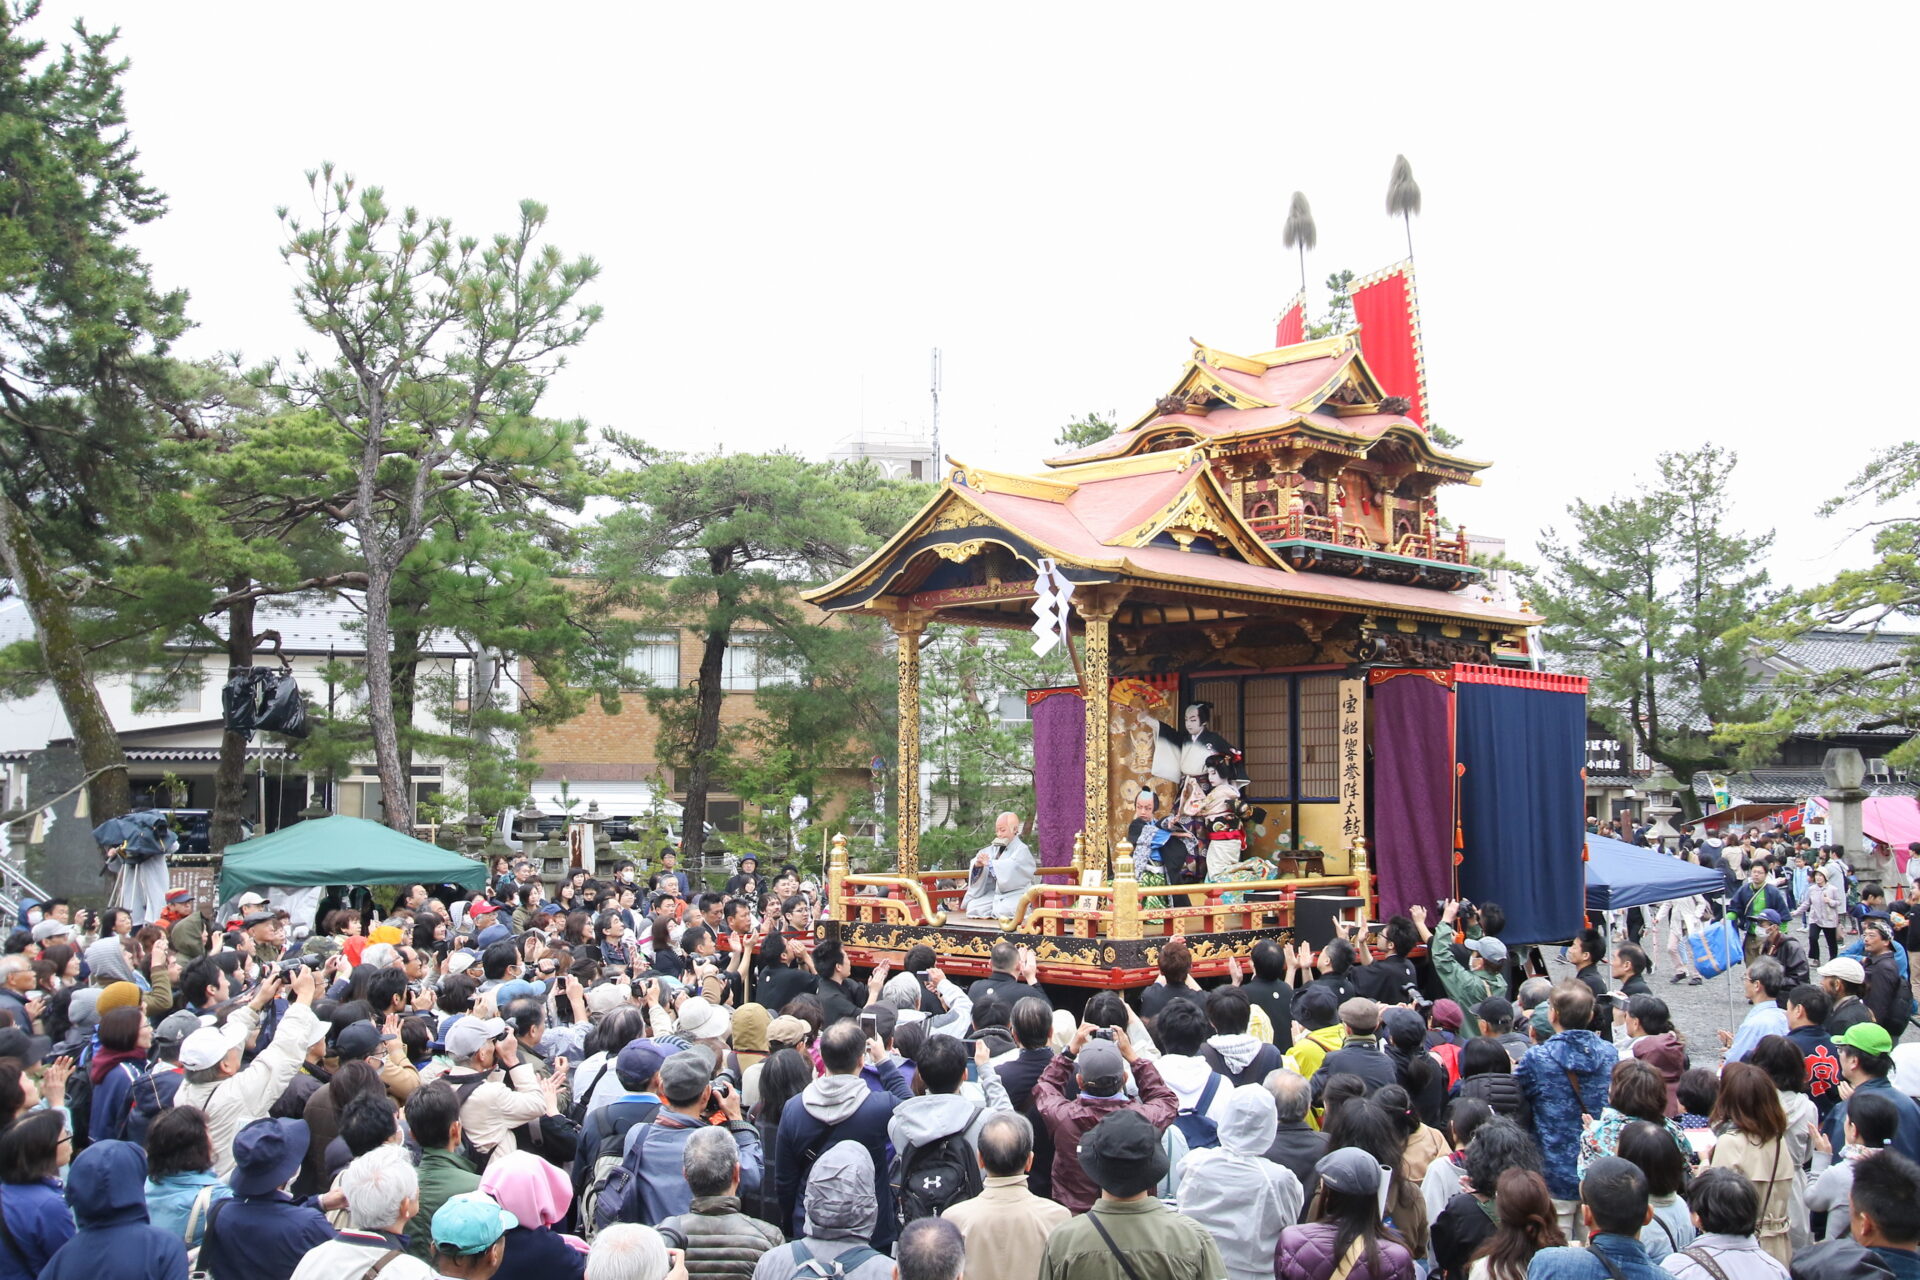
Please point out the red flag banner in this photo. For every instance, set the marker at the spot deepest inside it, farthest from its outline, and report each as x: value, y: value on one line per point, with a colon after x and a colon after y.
x: 1388, y: 313
x: 1293, y: 322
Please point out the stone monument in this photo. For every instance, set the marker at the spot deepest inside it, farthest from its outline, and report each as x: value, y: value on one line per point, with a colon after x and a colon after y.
x: 1845, y: 771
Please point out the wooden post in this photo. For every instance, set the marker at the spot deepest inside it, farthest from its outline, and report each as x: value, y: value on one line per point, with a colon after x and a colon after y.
x: 908, y: 624
x: 1357, y: 852
x: 1079, y: 853
x: 837, y: 872
x: 1126, y: 893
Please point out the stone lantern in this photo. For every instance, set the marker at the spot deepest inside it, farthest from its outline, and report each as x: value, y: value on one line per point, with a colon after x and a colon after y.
x: 713, y: 853
x: 1660, y: 807
x: 475, y: 825
x: 526, y: 829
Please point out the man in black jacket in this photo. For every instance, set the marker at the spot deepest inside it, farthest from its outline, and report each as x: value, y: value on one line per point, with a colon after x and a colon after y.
x: 1843, y: 979
x: 1585, y: 953
x: 783, y: 969
x: 1390, y: 978
x: 1296, y: 1145
x: 1886, y: 992
x: 1015, y: 976
x: 1271, y: 991
x: 1032, y: 1024
x: 1359, y: 1054
x: 840, y: 996
x: 1780, y: 945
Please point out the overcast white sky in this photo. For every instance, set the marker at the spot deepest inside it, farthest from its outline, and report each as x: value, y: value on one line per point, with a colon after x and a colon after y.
x: 1646, y: 226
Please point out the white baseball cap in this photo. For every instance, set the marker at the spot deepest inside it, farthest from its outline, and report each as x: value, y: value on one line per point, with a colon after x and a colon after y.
x: 1906, y: 1068
x: 1845, y: 968
x: 209, y: 1045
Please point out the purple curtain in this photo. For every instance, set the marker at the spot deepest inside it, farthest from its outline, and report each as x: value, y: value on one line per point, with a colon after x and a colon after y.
x: 1059, y: 776
x: 1412, y: 792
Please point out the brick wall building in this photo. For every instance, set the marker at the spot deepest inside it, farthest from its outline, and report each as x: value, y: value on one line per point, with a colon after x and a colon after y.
x: 615, y: 759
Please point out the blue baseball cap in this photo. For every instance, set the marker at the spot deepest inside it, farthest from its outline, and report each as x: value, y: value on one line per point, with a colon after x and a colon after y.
x: 469, y: 1224
x: 639, y: 1062
x: 518, y: 989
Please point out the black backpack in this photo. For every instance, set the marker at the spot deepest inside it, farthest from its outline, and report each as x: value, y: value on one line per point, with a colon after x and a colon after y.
x: 80, y: 1099
x: 837, y: 1268
x: 928, y: 1180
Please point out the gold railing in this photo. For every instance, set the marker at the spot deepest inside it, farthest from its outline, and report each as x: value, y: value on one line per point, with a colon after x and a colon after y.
x: 1121, y: 913
x: 842, y: 902
x: 1300, y: 527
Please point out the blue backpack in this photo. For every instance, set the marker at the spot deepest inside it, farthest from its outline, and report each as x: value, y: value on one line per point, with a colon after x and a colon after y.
x: 1191, y: 1129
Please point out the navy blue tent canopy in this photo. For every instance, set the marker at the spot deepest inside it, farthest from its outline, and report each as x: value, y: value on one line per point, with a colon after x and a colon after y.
x: 1621, y: 875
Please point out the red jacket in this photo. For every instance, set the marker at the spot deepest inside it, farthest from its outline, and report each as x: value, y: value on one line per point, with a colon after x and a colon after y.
x: 1069, y: 1118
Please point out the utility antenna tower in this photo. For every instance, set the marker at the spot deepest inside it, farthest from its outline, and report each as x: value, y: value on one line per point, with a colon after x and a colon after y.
x: 939, y: 459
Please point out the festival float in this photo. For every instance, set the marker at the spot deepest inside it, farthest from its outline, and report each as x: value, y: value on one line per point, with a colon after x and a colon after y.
x: 1285, y: 657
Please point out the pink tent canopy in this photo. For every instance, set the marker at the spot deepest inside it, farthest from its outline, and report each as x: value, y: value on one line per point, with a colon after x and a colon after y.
x: 1893, y: 819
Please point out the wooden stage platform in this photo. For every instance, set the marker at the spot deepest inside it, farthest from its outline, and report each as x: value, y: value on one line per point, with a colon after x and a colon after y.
x: 1083, y: 936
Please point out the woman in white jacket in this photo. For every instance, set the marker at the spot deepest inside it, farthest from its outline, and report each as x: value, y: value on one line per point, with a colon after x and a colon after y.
x: 1236, y: 1193
x: 1677, y: 918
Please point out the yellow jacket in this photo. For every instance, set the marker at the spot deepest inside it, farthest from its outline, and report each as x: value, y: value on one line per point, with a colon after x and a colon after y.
x: 1308, y: 1051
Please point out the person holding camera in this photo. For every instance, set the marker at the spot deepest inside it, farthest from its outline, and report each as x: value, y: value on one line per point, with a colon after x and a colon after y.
x: 215, y: 1082
x: 689, y: 1093
x: 1098, y: 1059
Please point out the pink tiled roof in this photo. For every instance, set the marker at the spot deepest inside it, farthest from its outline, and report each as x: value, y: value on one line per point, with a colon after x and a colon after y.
x: 1079, y: 530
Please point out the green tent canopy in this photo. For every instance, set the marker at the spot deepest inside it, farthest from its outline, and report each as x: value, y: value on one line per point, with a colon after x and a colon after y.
x: 340, y: 850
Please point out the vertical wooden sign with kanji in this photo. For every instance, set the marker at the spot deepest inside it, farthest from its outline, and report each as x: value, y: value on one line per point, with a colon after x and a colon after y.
x: 1353, y: 770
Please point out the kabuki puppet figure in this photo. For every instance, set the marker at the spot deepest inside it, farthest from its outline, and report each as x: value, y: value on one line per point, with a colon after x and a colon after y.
x: 1183, y: 753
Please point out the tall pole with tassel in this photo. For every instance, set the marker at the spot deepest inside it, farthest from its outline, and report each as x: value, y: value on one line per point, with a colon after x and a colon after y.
x: 1300, y: 233
x: 1403, y: 197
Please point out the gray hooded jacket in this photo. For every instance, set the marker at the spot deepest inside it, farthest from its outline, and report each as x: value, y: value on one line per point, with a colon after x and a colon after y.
x: 1236, y: 1193
x: 930, y: 1117
x: 841, y: 1215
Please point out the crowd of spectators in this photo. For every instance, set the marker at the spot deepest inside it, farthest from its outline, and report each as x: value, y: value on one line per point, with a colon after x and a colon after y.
x: 637, y: 1081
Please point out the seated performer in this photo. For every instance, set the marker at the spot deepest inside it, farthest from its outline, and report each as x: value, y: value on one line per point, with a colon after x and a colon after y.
x: 1001, y: 872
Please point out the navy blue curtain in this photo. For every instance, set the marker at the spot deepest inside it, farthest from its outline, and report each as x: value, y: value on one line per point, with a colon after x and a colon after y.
x: 1522, y: 805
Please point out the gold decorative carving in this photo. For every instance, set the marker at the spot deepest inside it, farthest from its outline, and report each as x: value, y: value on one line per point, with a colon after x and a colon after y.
x: 955, y: 515
x: 1045, y: 488
x: 1357, y: 855
x: 959, y: 552
x: 1096, y: 608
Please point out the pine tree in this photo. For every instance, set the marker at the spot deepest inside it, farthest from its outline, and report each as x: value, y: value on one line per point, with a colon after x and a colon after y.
x: 723, y: 543
x: 84, y: 377
x: 437, y: 352
x: 1858, y: 698
x: 1652, y: 592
